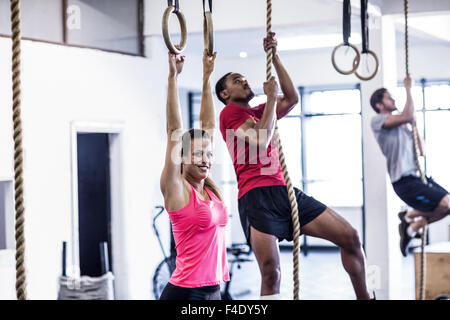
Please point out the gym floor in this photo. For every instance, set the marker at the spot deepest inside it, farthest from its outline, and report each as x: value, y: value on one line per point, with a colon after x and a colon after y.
x: 322, y: 277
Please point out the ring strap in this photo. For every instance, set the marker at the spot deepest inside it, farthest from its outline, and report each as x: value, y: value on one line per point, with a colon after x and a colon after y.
x: 346, y: 21
x: 175, y: 4
x: 364, y: 27
x: 204, y: 6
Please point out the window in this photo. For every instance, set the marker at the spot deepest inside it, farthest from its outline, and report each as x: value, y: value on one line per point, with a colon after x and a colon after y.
x: 112, y: 25
x: 6, y: 215
x: 104, y: 24
x: 332, y: 146
x: 40, y: 19
x: 322, y: 142
x: 322, y: 136
x: 432, y: 103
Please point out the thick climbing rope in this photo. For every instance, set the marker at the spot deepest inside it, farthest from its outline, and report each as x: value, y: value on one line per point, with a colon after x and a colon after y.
x: 291, y: 193
x: 18, y: 153
x: 418, y: 166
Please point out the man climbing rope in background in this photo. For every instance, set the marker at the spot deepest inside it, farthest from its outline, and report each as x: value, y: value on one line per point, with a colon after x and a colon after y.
x: 264, y: 206
x: 430, y: 202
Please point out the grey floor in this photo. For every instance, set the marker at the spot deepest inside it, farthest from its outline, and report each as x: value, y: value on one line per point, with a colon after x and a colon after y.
x: 322, y: 277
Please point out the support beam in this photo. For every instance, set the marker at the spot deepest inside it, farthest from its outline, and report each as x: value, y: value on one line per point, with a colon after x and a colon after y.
x: 382, y: 249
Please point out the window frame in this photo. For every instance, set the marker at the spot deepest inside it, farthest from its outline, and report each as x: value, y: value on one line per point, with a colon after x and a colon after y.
x: 193, y: 97
x: 306, y: 90
x: 424, y: 83
x: 140, y: 21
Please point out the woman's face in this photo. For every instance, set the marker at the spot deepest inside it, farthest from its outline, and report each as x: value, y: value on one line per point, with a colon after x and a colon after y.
x: 198, y: 160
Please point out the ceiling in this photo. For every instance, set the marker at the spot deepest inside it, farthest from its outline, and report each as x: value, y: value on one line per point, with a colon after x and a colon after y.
x: 231, y: 43
x: 240, y: 26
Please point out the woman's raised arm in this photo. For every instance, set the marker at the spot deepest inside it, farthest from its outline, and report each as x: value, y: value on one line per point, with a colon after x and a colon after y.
x: 207, y: 111
x: 171, y: 174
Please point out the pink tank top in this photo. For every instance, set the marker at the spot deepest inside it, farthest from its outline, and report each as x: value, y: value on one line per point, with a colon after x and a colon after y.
x: 199, y: 233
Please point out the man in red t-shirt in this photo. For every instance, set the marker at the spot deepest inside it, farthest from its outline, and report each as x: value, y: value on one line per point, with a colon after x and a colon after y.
x: 264, y: 206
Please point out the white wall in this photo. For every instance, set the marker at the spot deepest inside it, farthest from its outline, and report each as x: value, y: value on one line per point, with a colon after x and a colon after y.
x: 61, y: 85
x: 313, y: 67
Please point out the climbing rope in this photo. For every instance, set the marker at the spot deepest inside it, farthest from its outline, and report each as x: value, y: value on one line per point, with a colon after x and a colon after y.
x: 18, y: 153
x: 291, y: 193
x: 418, y: 166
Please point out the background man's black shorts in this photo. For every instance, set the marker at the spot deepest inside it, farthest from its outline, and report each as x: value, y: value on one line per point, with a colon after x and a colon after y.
x: 268, y: 209
x: 417, y: 195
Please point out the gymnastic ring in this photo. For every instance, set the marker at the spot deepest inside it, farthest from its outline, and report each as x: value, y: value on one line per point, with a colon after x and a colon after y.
x: 373, y: 54
x: 165, y: 30
x: 208, y: 33
x: 355, y: 60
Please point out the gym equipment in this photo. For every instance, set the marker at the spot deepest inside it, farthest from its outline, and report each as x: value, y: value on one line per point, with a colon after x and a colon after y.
x: 365, y: 42
x: 18, y: 152
x: 166, y: 267
x: 237, y: 250
x: 438, y: 271
x: 87, y: 288
x: 416, y: 160
x: 208, y: 30
x: 291, y: 193
x: 346, y: 31
x: 173, y: 7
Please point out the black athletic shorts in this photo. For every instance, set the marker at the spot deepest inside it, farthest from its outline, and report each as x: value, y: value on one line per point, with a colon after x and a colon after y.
x: 172, y: 292
x: 268, y: 209
x: 417, y: 195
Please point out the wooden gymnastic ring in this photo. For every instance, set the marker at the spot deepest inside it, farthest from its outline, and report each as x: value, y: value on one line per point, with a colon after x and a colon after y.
x: 166, y: 34
x: 355, y: 60
x: 373, y: 54
x: 208, y: 33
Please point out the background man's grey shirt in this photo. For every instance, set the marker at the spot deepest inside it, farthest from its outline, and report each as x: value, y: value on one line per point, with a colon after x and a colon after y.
x: 397, y: 146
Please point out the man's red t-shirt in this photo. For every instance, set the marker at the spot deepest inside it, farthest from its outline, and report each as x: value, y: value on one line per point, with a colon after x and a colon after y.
x: 254, y: 168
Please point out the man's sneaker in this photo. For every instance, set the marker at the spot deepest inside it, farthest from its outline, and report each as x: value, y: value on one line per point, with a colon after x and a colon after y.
x: 405, y: 239
x: 401, y: 216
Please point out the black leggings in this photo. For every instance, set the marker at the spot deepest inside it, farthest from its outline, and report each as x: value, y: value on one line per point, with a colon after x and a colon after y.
x: 172, y: 292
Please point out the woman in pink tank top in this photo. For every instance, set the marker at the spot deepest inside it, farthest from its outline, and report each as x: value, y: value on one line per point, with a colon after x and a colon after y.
x: 192, y: 200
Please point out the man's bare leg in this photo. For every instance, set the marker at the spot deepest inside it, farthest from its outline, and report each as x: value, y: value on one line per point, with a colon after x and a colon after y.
x: 331, y: 226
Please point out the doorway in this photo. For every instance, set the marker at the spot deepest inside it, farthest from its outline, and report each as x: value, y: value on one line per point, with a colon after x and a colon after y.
x: 94, y: 202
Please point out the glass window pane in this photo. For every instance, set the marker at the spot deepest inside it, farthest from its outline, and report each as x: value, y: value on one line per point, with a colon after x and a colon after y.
x: 261, y: 98
x: 419, y: 122
x: 337, y: 193
x: 437, y: 96
x: 399, y: 96
x: 334, y: 101
x: 40, y: 19
x: 437, y: 146
x: 104, y: 24
x: 333, y: 147
x: 5, y: 20
x: 290, y: 134
x: 257, y: 100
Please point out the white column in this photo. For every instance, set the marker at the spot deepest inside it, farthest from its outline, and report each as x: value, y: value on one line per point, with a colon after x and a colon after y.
x: 382, y: 239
